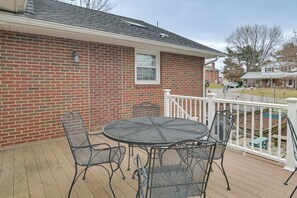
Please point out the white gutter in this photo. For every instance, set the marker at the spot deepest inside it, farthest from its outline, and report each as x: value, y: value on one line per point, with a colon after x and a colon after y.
x: 29, y: 25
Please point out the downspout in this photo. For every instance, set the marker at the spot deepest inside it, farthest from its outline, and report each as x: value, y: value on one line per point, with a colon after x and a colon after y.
x: 203, y: 78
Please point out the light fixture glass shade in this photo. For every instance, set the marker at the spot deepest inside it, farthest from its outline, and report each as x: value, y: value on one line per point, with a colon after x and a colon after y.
x: 75, y: 56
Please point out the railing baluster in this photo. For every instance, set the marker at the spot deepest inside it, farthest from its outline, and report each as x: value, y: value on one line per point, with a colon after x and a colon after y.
x: 270, y: 131
x: 195, y: 110
x: 191, y: 107
x: 253, y: 127
x: 170, y: 107
x: 237, y: 125
x: 187, y: 110
x: 204, y: 111
x: 261, y: 125
x: 279, y: 133
x: 244, y: 127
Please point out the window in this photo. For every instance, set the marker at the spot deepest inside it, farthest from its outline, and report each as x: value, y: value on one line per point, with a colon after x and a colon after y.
x: 147, y: 67
x: 290, y: 82
x: 268, y: 69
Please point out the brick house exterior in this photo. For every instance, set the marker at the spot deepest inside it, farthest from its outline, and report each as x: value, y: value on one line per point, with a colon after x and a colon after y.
x: 212, y: 74
x: 40, y: 82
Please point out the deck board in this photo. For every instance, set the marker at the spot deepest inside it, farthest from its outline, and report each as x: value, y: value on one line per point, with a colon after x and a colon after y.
x: 57, y: 170
x: 49, y: 184
x: 6, y: 179
x: 21, y: 188
x: 47, y: 169
x: 33, y: 177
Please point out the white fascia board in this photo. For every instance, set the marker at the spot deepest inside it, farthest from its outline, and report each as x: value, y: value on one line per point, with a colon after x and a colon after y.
x: 29, y: 25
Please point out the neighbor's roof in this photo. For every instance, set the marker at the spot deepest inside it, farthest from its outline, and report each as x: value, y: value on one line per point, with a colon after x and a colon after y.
x: 95, y: 22
x: 268, y: 75
x: 252, y: 75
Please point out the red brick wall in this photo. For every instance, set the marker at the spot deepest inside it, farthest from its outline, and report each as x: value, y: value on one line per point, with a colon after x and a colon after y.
x: 212, y: 76
x: 39, y: 83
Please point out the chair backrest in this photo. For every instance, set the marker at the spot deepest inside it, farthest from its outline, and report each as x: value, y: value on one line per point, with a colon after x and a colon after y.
x: 146, y: 109
x: 293, y: 137
x: 220, y: 130
x: 180, y: 169
x: 76, y: 134
x: 221, y: 126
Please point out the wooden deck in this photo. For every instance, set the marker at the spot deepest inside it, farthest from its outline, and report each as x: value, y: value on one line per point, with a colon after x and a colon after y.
x: 46, y: 170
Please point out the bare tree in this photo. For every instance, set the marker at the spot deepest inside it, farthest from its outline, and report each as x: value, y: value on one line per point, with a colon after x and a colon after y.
x: 255, y: 44
x: 289, y: 52
x: 102, y: 5
x: 287, y: 58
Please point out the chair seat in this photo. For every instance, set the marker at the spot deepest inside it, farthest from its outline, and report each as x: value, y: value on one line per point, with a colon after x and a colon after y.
x: 102, y: 156
x: 173, y: 181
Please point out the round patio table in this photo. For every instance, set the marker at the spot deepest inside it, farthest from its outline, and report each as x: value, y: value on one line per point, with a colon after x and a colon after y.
x: 154, y: 130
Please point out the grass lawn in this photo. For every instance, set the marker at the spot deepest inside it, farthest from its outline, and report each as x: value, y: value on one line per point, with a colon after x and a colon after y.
x: 215, y: 86
x: 269, y: 92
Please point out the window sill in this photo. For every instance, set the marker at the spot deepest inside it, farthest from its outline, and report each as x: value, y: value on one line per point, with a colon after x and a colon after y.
x: 147, y: 86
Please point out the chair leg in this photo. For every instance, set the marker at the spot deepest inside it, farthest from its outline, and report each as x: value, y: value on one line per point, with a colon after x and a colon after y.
x: 124, y: 177
x: 224, y: 173
x: 85, y: 172
x: 110, y: 183
x: 293, y: 192
x: 286, y: 182
x: 73, y: 181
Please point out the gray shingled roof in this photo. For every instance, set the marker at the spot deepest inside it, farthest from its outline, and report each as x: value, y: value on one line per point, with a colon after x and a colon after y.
x: 62, y: 13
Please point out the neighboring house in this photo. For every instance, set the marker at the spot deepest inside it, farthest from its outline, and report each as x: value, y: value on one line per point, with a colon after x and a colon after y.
x: 275, y: 73
x: 212, y: 74
x: 221, y: 77
x: 56, y: 57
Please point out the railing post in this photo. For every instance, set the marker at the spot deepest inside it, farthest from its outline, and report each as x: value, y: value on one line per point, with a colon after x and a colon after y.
x: 211, y: 108
x: 166, y: 102
x: 292, y: 115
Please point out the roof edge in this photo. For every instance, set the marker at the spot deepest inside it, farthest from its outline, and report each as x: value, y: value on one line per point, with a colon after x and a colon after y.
x: 48, y: 28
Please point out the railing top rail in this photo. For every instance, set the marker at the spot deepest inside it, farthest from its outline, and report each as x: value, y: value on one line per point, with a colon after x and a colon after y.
x: 187, y: 97
x: 280, y: 106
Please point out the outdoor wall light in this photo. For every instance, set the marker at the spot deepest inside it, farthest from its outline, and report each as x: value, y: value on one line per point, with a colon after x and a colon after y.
x: 75, y: 56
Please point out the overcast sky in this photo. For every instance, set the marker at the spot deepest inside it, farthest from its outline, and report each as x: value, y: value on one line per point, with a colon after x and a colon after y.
x: 210, y: 22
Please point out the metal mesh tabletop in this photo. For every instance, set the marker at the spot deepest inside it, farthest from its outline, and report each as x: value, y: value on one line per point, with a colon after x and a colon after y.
x: 154, y: 130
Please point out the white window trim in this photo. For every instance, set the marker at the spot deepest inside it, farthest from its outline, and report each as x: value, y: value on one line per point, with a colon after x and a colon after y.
x: 147, y: 82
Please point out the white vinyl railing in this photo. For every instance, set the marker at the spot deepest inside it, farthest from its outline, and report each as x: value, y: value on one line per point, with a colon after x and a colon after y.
x: 259, y: 128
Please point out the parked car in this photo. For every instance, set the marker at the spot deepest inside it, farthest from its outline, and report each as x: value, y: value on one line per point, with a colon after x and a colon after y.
x: 232, y: 84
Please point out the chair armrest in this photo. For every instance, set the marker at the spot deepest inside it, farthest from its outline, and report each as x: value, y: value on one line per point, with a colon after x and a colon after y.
x: 94, y: 146
x: 79, y: 147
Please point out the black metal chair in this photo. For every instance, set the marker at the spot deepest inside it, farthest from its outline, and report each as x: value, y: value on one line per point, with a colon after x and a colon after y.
x: 86, y: 154
x: 219, y: 133
x: 141, y: 110
x: 294, y: 142
x: 177, y: 170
